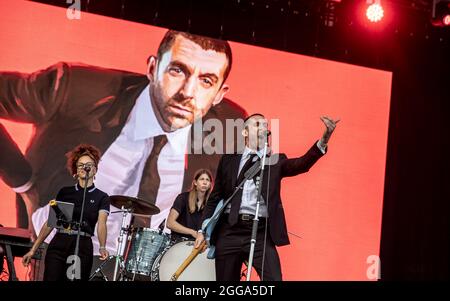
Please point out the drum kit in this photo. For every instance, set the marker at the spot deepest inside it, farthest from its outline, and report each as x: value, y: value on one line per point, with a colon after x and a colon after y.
x: 146, y: 254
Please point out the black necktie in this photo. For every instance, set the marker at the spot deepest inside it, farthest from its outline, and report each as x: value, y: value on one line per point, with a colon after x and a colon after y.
x: 148, y: 188
x: 237, y: 199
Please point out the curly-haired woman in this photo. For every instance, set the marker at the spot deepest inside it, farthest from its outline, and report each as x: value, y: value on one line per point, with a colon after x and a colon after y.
x: 82, y: 163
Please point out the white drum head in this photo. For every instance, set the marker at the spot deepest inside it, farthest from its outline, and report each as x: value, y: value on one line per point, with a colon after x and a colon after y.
x: 200, y: 269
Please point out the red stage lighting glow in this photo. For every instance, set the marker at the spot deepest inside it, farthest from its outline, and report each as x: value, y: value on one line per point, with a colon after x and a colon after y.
x: 375, y: 12
x: 446, y: 20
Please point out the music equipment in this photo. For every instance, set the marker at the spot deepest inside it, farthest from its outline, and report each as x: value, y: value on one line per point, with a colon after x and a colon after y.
x: 16, y: 242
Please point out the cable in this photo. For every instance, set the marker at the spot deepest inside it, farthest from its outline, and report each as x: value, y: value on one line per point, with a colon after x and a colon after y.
x: 27, y: 271
x: 4, y: 275
x: 296, y: 235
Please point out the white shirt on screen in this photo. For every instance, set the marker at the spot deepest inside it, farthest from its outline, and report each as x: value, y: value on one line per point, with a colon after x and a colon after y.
x: 121, y: 166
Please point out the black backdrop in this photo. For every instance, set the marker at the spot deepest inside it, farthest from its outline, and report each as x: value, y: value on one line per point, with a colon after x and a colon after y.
x: 415, y: 226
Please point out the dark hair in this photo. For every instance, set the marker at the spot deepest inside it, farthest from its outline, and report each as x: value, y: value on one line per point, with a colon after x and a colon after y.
x: 205, y: 42
x: 79, y: 151
x: 253, y: 115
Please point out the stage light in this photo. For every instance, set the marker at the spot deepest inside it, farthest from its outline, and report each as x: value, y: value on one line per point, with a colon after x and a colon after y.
x: 375, y: 11
x: 446, y: 20
x: 440, y: 15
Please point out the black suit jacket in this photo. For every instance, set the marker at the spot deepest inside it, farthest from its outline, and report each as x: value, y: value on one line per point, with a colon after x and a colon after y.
x: 226, y: 181
x: 69, y: 104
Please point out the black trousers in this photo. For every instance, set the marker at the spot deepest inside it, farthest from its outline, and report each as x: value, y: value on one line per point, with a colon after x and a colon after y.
x: 233, y: 248
x: 60, y: 248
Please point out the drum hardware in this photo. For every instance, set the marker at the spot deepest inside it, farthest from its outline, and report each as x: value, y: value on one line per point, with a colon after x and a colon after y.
x: 173, y: 260
x: 124, y: 230
x: 146, y: 244
x: 149, y: 254
x: 178, y: 260
x: 100, y: 269
x: 135, y: 207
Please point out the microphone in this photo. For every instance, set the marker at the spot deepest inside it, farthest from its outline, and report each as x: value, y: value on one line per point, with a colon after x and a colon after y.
x: 87, y: 169
x: 265, y: 133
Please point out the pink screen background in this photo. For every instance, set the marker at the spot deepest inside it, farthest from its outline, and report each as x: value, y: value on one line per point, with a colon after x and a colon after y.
x: 335, y: 208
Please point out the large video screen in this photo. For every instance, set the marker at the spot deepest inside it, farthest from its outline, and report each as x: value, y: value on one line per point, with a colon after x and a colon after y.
x: 333, y: 211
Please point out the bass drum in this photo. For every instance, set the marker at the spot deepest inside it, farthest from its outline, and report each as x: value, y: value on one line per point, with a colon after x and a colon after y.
x: 167, y: 263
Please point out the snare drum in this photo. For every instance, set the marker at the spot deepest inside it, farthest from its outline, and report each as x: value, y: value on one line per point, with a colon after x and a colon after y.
x: 168, y: 262
x: 146, y: 244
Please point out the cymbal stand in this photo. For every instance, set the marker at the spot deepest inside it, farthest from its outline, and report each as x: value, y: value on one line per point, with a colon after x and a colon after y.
x: 120, y: 247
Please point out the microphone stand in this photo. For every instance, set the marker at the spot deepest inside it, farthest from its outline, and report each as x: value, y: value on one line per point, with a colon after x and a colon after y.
x: 100, y: 269
x: 259, y: 181
x: 80, y: 223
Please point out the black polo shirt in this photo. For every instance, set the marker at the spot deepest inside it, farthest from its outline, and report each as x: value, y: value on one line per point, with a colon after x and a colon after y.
x: 96, y: 201
x: 185, y: 218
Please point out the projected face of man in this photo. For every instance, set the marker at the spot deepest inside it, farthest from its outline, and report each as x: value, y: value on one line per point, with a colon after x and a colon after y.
x: 185, y: 82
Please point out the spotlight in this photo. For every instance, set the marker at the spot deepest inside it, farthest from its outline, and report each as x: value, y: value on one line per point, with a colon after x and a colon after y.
x: 375, y: 11
x: 446, y: 20
x: 440, y: 15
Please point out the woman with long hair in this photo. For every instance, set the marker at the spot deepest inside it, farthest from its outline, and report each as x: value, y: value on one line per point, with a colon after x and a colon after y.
x: 186, y: 213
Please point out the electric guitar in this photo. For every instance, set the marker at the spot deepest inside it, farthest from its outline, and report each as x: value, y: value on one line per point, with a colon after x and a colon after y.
x: 209, y: 224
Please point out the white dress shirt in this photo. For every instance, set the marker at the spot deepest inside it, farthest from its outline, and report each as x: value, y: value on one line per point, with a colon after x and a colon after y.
x: 121, y: 166
x: 250, y: 191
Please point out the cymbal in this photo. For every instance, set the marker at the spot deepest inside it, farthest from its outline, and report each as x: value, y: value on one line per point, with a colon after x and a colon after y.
x: 137, y: 206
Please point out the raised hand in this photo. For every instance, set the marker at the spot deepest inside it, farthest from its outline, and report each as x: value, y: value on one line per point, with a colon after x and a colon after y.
x: 330, y: 126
